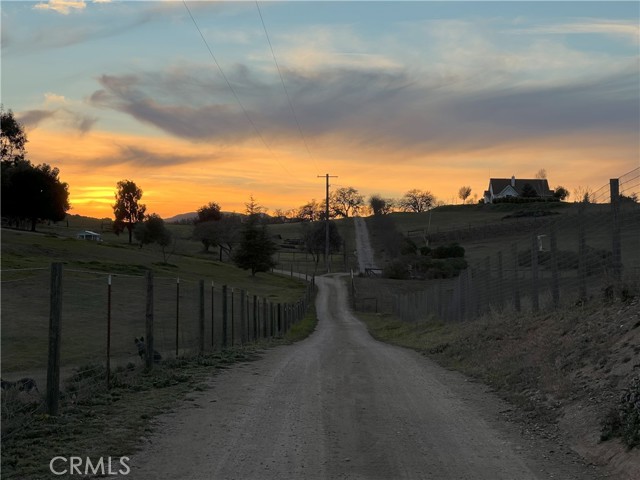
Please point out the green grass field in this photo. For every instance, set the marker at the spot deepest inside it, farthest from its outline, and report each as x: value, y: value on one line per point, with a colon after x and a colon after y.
x: 300, y: 261
x: 26, y: 260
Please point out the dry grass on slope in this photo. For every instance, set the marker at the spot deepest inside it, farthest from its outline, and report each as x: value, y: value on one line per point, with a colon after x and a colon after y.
x: 567, y: 368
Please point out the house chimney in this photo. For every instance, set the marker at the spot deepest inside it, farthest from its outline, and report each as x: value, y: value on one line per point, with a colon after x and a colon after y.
x: 513, y: 181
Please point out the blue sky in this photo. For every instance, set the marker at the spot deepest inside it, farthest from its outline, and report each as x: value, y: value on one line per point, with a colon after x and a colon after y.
x: 388, y: 95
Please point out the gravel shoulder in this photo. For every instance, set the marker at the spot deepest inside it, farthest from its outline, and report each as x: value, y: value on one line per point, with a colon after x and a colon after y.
x: 341, y: 405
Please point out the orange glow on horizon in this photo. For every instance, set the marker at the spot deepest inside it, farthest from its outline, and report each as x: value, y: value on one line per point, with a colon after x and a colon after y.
x: 92, y: 165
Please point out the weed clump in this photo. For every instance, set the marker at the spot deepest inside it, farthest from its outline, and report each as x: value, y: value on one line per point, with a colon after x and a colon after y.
x: 624, y: 420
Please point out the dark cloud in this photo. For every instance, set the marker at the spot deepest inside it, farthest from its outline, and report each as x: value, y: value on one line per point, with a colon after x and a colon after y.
x: 84, y: 124
x: 32, y: 118
x: 142, y: 157
x: 371, y: 108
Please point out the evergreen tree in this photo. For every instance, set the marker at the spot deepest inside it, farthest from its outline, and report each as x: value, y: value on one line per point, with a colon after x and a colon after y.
x: 255, y: 250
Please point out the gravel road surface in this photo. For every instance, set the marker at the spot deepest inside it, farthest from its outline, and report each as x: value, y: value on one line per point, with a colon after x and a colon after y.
x: 364, y: 251
x: 340, y: 405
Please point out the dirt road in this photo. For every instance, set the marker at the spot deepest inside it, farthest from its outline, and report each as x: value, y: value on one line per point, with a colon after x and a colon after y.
x: 364, y: 251
x: 341, y: 405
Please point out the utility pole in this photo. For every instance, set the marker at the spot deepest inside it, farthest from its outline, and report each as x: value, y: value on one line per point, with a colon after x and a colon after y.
x: 326, y: 219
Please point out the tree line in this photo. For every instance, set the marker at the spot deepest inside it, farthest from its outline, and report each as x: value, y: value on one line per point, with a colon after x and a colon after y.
x: 34, y: 193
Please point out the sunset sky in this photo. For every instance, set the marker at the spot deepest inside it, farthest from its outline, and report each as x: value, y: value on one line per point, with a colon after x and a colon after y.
x: 388, y: 96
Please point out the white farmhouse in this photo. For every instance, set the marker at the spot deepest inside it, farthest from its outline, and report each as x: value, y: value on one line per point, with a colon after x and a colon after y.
x: 505, y: 187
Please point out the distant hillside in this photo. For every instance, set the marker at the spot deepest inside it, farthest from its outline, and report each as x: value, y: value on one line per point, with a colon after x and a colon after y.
x: 181, y: 217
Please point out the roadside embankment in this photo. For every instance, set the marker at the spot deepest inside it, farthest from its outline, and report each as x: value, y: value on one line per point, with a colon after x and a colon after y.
x: 564, y: 372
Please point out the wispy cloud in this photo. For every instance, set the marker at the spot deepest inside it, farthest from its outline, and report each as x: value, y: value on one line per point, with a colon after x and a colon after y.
x: 32, y: 118
x: 54, y: 36
x: 620, y: 29
x: 63, y: 7
x: 65, y: 116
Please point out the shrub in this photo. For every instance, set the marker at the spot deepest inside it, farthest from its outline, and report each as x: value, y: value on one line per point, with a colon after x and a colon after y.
x: 453, y: 250
x: 408, y: 247
x: 624, y: 420
x: 425, y: 251
x: 398, y: 270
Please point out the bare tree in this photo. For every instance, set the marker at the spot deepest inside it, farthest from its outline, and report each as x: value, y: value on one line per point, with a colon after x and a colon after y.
x: 464, y: 193
x: 345, y: 201
x: 542, y: 174
x: 310, y: 211
x: 583, y: 194
x: 417, y: 201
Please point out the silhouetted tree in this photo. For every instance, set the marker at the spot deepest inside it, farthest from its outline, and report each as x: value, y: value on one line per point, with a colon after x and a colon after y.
x: 561, y: 193
x: 225, y: 233
x: 128, y: 210
x: 417, y: 201
x: 12, y: 137
x: 528, y: 191
x: 314, y: 238
x: 256, y: 248
x: 310, y: 212
x: 542, y: 174
x: 209, y: 212
x: 345, y: 201
x: 29, y: 193
x: 153, y: 230
x: 379, y: 205
x: 464, y: 193
x: 33, y: 193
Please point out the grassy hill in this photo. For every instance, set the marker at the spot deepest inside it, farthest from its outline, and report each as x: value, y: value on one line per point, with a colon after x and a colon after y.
x: 26, y: 259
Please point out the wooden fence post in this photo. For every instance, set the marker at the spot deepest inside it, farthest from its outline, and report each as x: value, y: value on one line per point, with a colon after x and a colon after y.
x: 535, y: 287
x: 255, y: 318
x: 516, y: 280
x: 109, y: 333
x: 233, y: 320
x: 201, y: 317
x: 243, y: 317
x: 616, y: 250
x: 555, y: 273
x: 213, y: 316
x: 582, y: 253
x: 55, y: 328
x: 149, y: 321
x: 177, y: 317
x: 224, y: 316
x: 500, y: 282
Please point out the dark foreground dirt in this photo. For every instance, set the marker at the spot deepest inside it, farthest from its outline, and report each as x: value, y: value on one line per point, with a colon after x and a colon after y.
x: 341, y: 405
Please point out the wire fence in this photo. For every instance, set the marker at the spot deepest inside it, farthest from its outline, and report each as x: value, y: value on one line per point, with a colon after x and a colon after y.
x: 92, y: 323
x: 559, y: 260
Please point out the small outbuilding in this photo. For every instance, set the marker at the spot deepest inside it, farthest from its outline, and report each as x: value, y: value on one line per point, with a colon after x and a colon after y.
x: 89, y: 235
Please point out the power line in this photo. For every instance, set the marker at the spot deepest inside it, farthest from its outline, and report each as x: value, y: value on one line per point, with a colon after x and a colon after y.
x: 244, y: 110
x: 284, y: 87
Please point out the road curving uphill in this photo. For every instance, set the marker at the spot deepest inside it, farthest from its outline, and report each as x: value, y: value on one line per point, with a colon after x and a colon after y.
x: 340, y: 405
